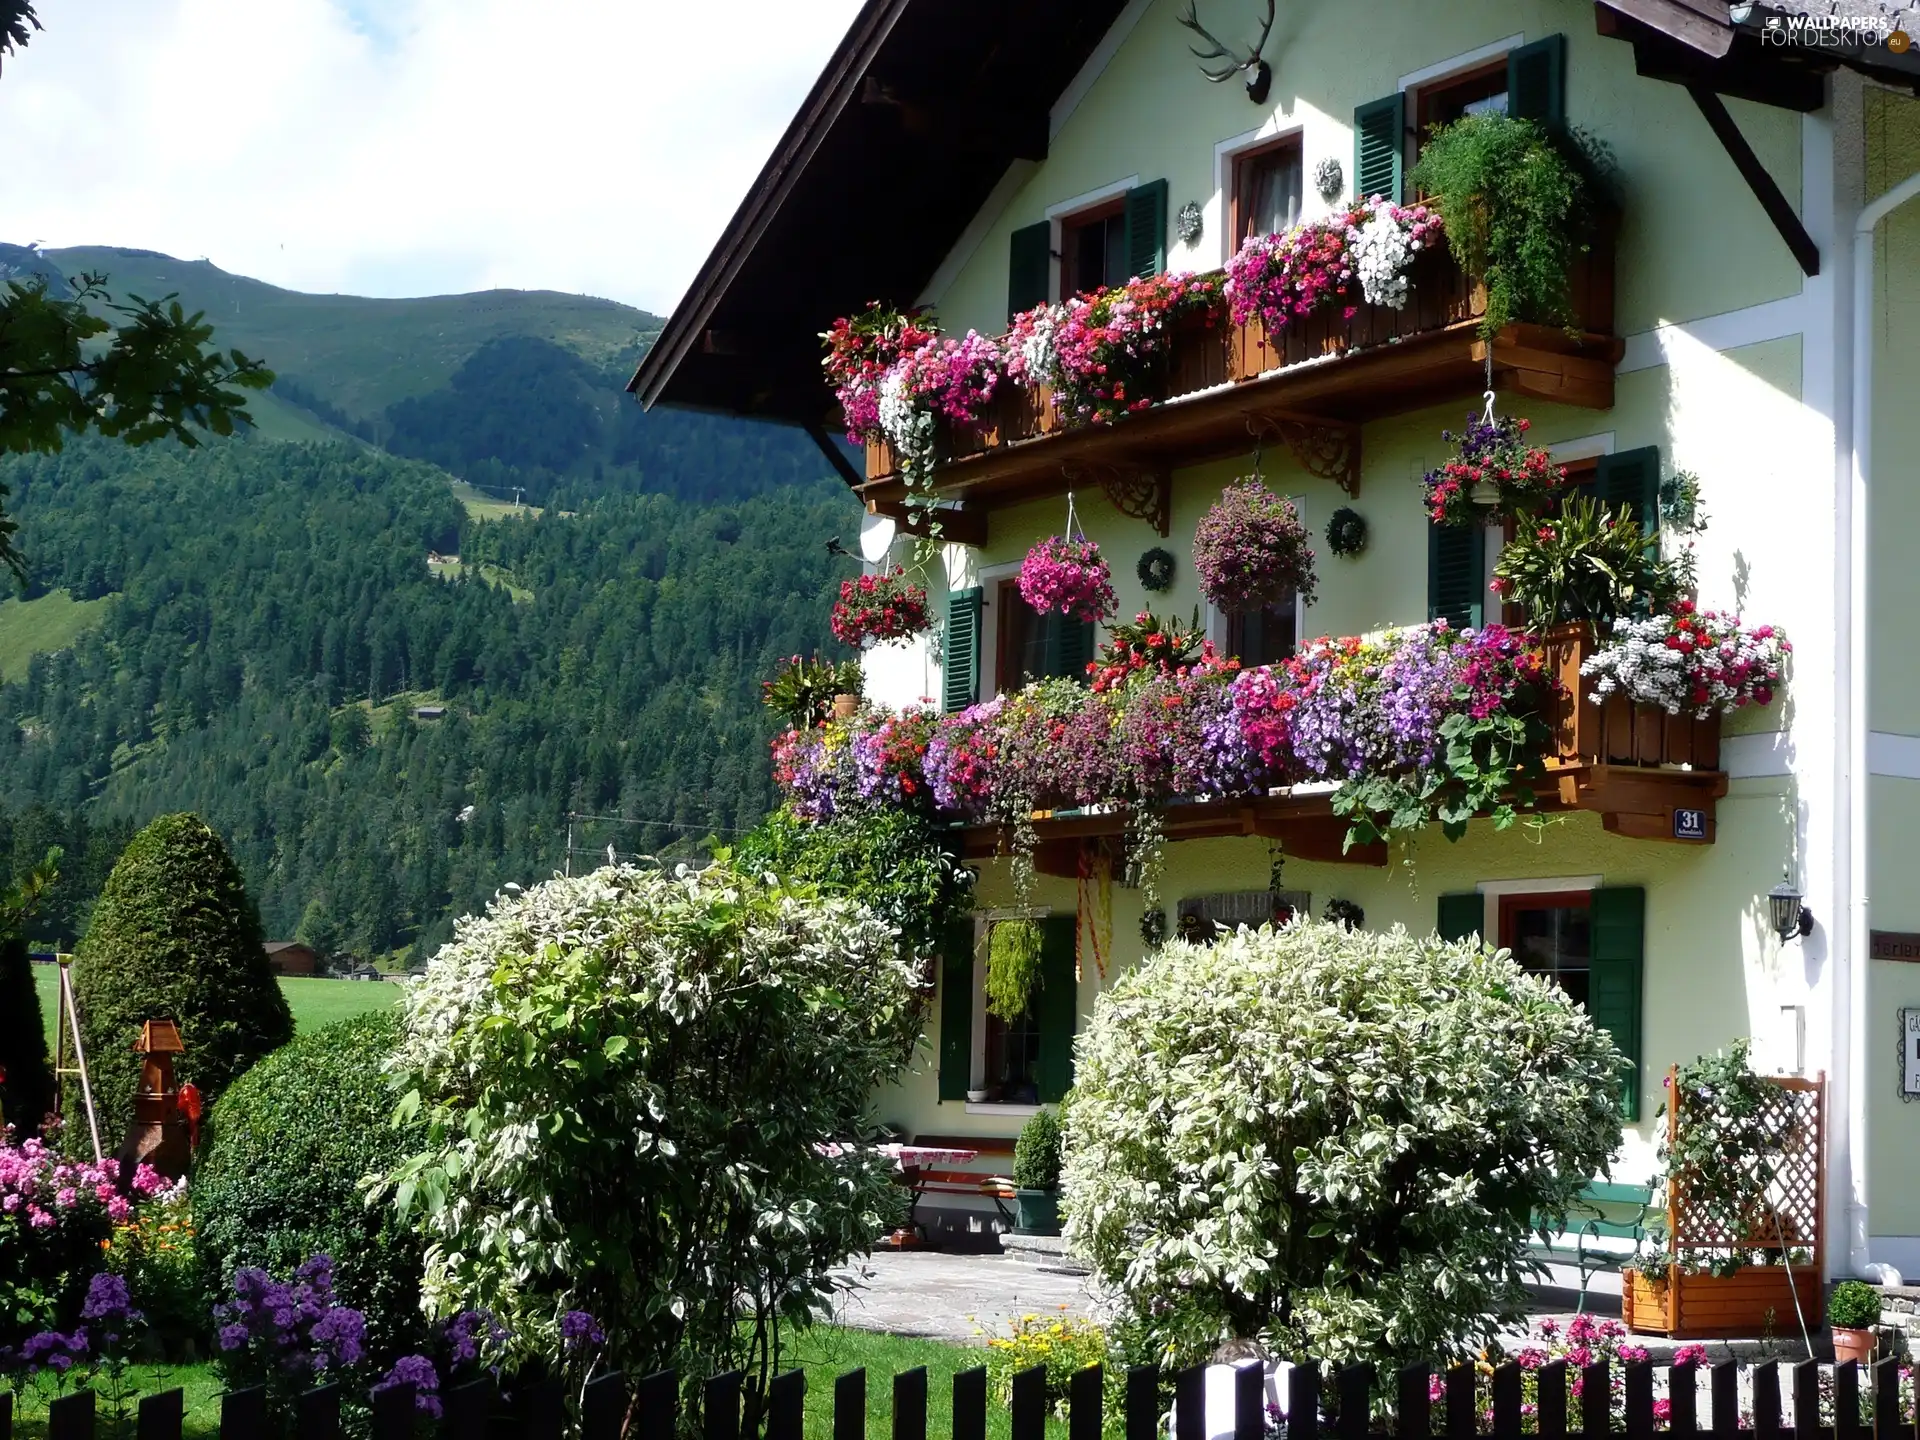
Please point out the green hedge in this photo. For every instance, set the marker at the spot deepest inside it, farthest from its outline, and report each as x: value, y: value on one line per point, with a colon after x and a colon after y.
x: 27, y: 1092
x: 176, y: 935
x: 278, y: 1176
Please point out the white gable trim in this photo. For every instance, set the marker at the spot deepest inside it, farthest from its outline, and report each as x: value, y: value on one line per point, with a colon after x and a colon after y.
x: 1096, y: 65
x: 1442, y: 69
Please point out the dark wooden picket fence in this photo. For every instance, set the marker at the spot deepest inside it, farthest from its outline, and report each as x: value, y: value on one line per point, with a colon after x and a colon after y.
x: 1468, y: 1407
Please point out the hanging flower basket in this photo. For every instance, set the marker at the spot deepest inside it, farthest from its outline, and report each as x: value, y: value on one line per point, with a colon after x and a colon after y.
x: 877, y: 608
x: 1250, y: 550
x: 1068, y: 577
x: 1492, y: 467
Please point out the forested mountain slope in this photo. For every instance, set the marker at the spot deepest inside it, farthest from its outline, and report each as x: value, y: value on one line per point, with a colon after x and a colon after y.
x: 276, y: 624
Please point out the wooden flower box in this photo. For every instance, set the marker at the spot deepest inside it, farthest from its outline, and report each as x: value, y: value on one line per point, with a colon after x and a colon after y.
x: 1617, y: 731
x: 1755, y: 1300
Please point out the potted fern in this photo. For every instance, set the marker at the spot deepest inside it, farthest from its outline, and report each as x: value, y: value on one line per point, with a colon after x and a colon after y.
x: 1852, y: 1311
x: 1036, y: 1175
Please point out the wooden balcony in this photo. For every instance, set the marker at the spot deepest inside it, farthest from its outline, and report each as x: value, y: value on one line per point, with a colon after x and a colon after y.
x: 1310, y: 388
x: 1649, y: 776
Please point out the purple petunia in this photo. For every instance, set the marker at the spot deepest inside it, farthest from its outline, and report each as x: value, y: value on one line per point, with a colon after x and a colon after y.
x: 578, y: 1328
x: 417, y: 1371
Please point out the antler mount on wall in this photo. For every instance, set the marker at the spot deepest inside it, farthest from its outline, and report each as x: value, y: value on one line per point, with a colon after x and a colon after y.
x: 1233, y: 61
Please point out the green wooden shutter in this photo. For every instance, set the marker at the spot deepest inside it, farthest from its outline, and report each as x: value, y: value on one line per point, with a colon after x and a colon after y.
x: 960, y: 686
x: 1537, y: 82
x: 1461, y: 916
x: 1631, y: 479
x: 956, y: 1011
x: 1457, y: 574
x: 1056, y: 1008
x: 1619, y: 944
x: 1379, y: 147
x: 1070, y: 645
x: 1030, y: 267
x: 1147, y: 229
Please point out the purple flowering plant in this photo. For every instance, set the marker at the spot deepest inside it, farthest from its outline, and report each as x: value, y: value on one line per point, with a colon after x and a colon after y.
x: 287, y: 1335
x: 1250, y: 549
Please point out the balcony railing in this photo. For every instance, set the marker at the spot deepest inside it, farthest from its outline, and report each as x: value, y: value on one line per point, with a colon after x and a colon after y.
x: 1309, y: 387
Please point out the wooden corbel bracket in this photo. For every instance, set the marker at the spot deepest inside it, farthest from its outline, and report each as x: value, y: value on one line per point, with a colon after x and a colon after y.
x: 1324, y: 447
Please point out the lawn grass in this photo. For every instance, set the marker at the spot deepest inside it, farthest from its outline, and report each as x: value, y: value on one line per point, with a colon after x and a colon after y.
x: 33, y: 627
x: 825, y: 1352
x: 315, y: 1002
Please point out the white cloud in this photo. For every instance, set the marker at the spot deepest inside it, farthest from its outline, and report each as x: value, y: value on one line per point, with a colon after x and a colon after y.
x: 406, y: 147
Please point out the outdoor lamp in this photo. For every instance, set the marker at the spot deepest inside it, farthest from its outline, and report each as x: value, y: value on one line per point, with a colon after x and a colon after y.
x: 1790, y: 917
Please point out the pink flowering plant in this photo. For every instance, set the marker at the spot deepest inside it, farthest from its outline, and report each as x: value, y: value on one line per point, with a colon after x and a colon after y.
x: 874, y: 609
x: 1068, y: 576
x: 1106, y: 353
x: 860, y: 351
x: 1689, y: 661
x: 1365, y: 253
x: 1250, y: 549
x: 54, y: 1215
x: 1281, y: 279
x: 1576, y: 1344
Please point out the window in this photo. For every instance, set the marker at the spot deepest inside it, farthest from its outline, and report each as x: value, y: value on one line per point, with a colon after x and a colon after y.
x: 1012, y: 1059
x: 1025, y: 1061
x: 1479, y: 91
x: 1093, y: 249
x: 1032, y: 646
x: 1264, y: 637
x: 1551, y: 936
x: 1266, y: 190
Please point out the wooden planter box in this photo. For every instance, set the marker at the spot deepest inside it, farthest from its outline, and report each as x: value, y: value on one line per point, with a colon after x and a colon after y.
x: 1618, y: 732
x: 1754, y: 1301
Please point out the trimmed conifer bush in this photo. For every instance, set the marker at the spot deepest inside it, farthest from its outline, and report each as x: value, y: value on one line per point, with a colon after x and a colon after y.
x: 176, y: 935
x: 27, y: 1092
x: 278, y: 1176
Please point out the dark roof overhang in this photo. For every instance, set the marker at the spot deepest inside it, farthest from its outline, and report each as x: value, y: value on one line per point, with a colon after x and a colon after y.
x: 920, y: 112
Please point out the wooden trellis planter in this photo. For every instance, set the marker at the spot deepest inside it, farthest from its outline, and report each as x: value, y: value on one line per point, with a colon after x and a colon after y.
x: 1755, y: 1298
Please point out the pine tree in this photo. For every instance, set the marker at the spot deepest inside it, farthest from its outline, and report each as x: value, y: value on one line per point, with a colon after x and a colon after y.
x: 26, y: 1095
x: 175, y: 935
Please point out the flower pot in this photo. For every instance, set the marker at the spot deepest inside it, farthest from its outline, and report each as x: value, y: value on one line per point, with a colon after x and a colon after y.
x: 978, y: 1097
x: 1852, y: 1345
x: 1038, y: 1211
x: 845, y: 707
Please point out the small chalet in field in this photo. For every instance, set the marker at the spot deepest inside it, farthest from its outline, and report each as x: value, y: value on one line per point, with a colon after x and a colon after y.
x: 292, y: 957
x: 1750, y: 316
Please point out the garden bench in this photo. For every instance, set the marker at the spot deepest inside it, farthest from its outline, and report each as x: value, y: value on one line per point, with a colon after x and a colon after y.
x: 997, y: 1188
x: 1605, y: 1226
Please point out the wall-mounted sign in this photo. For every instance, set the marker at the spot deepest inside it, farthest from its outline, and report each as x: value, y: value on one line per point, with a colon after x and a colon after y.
x: 1689, y: 824
x: 1910, y: 1054
x: 1244, y: 907
x: 1893, y: 945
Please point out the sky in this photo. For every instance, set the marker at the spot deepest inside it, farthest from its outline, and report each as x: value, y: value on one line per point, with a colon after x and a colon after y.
x: 406, y: 147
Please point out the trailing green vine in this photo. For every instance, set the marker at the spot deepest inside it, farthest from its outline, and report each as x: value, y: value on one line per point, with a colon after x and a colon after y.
x: 1013, y: 968
x: 1517, y: 206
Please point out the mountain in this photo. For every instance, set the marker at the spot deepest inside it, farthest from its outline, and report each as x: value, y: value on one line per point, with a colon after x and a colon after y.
x: 388, y: 689
x: 510, y: 390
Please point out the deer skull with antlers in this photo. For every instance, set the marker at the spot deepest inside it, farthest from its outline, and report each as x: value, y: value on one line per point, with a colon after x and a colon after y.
x: 1259, y: 73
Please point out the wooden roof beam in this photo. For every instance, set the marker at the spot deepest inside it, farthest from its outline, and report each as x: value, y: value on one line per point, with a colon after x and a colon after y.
x: 1765, y: 189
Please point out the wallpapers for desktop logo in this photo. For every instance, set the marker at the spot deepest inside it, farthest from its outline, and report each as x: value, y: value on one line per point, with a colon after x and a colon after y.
x: 1824, y: 32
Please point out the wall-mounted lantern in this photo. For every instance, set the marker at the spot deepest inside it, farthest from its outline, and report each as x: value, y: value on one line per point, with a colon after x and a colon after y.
x: 1791, y: 919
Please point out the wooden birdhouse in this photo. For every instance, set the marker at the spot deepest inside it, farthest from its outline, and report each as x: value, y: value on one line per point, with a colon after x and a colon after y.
x: 159, y: 1135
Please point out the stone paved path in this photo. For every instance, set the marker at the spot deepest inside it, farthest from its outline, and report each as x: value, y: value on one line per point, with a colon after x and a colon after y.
x: 950, y: 1297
